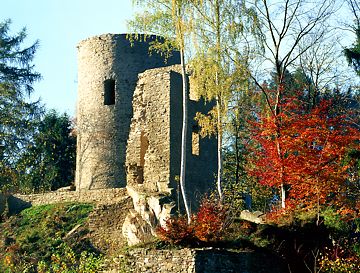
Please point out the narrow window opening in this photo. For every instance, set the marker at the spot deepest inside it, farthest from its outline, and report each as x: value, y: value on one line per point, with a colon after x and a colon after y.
x: 144, y: 144
x: 195, y: 141
x: 109, y: 92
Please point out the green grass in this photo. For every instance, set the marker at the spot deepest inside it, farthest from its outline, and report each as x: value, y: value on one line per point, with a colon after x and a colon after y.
x: 40, y: 232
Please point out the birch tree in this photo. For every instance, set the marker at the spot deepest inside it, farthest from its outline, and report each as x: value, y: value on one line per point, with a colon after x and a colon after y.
x: 219, y: 33
x: 169, y: 19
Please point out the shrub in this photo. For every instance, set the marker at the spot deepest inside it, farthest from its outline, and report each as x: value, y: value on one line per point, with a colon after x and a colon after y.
x: 66, y: 261
x: 338, y: 260
x: 210, y: 221
x: 207, y: 225
x: 177, y: 231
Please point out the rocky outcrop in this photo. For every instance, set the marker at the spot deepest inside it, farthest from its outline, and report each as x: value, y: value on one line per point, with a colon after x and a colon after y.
x: 149, y: 211
x: 257, y: 217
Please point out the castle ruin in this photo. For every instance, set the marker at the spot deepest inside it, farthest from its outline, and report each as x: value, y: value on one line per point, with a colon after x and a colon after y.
x: 129, y: 120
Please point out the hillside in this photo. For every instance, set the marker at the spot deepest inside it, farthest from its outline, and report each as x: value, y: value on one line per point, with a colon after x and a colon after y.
x: 48, y: 238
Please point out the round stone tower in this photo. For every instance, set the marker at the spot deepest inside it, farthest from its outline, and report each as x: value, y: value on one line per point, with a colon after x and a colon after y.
x: 108, y: 68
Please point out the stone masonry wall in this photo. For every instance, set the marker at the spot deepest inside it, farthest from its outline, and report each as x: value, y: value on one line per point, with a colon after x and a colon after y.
x: 18, y: 202
x: 148, y: 155
x: 201, y: 261
x: 154, y: 152
x: 201, y: 153
x: 108, y: 64
x: 154, y: 144
x: 105, y: 225
x: 148, y: 148
x: 106, y: 196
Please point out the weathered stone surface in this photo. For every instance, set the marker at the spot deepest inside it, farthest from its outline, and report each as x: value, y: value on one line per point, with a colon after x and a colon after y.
x: 105, y: 225
x: 154, y: 145
x: 105, y: 221
x: 108, y: 64
x: 135, y: 229
x: 257, y: 217
x: 108, y: 196
x: 18, y: 202
x: 149, y: 210
x: 202, y: 261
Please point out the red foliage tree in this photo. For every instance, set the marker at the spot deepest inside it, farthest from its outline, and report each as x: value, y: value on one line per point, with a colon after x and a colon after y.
x: 305, y: 151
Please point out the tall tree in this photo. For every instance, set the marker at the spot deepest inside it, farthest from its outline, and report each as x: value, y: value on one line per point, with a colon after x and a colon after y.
x: 17, y: 113
x: 49, y: 162
x: 169, y: 19
x: 314, y: 147
x: 321, y: 67
x: 221, y: 28
x: 353, y: 54
x: 285, y: 25
x: 241, y: 189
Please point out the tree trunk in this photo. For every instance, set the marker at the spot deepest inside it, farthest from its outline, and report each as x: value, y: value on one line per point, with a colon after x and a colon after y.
x: 237, y: 156
x: 219, y: 150
x: 184, y: 135
x: 283, y: 205
x: 218, y: 99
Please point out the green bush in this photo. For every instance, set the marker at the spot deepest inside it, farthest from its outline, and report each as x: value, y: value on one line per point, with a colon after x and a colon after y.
x: 66, y: 261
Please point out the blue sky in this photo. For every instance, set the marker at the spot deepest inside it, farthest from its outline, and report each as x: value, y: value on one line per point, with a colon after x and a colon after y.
x: 59, y: 25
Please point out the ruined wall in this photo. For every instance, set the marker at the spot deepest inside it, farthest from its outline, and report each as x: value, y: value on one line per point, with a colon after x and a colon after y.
x: 154, y: 145
x: 108, y: 67
x: 148, y: 148
x: 105, y: 225
x: 105, y: 221
x: 18, y: 202
x: 201, y: 261
x: 154, y: 151
x: 201, y: 153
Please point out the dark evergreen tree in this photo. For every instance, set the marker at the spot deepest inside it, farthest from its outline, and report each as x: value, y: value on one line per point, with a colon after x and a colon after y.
x: 18, y: 115
x: 353, y: 54
x: 49, y: 163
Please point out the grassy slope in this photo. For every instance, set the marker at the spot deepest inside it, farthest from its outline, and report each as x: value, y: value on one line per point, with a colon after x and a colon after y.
x: 41, y: 233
